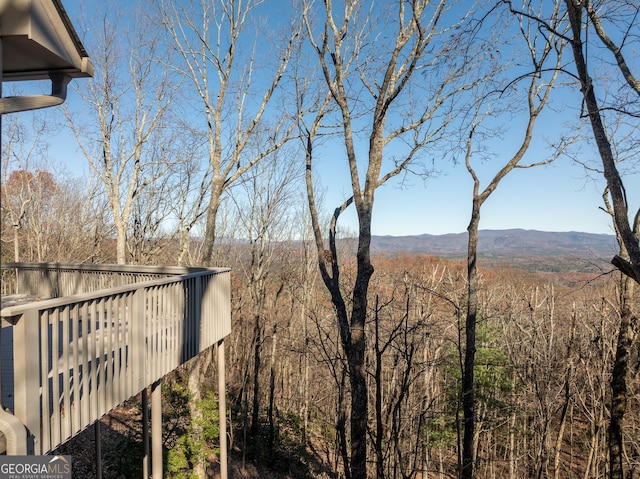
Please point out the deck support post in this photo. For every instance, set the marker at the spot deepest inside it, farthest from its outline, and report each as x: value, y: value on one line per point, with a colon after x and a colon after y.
x: 222, y: 406
x: 145, y: 434
x: 156, y: 429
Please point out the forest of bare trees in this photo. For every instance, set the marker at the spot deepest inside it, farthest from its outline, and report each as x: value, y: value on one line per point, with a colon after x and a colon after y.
x: 207, y: 132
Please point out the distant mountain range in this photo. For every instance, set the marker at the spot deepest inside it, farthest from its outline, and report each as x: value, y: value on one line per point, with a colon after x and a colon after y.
x: 525, y: 248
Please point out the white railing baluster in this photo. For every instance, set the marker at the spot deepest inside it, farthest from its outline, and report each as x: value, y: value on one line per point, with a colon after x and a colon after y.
x: 110, y: 317
x: 83, y: 388
x: 117, y: 373
x: 44, y: 379
x: 54, y: 340
x: 99, y: 357
x: 123, y: 341
x: 65, y: 407
x: 75, y: 401
x: 93, y: 367
x: 138, y: 341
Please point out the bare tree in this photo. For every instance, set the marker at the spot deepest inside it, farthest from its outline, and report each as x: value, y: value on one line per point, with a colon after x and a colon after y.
x: 608, y: 100
x: 188, y: 205
x: 165, y: 208
x: 621, y: 365
x: 235, y: 90
x: 385, y: 79
x: 126, y: 104
x: 627, y: 228
x: 540, y: 74
x: 263, y: 202
x: 23, y: 149
x: 46, y: 214
x: 234, y: 85
x: 607, y: 97
x: 622, y: 18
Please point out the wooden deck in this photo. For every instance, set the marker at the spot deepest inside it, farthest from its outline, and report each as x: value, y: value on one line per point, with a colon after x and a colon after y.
x: 105, y: 333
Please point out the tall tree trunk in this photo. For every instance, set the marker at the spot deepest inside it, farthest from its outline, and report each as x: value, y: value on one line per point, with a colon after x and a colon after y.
x: 379, y: 436
x: 341, y: 427
x: 627, y: 239
x: 468, y: 393
x: 272, y: 392
x: 210, y: 234
x: 513, y: 468
x: 357, y: 353
x: 195, y: 414
x: 257, y: 357
x: 619, y: 380
x: 305, y: 376
x: 121, y: 242
x: 359, y: 405
x: 352, y: 337
x: 16, y: 244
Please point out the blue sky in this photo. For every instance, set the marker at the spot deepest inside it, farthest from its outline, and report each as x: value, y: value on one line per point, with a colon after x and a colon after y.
x: 549, y: 198
x: 557, y: 197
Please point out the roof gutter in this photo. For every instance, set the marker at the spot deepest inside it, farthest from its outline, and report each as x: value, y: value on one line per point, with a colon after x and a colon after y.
x: 13, y: 104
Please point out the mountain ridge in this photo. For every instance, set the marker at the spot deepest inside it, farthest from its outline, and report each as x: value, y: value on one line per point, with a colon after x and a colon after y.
x: 507, y: 241
x: 525, y: 248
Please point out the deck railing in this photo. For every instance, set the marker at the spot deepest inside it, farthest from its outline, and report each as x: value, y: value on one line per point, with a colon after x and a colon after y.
x: 55, y: 280
x: 76, y: 357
